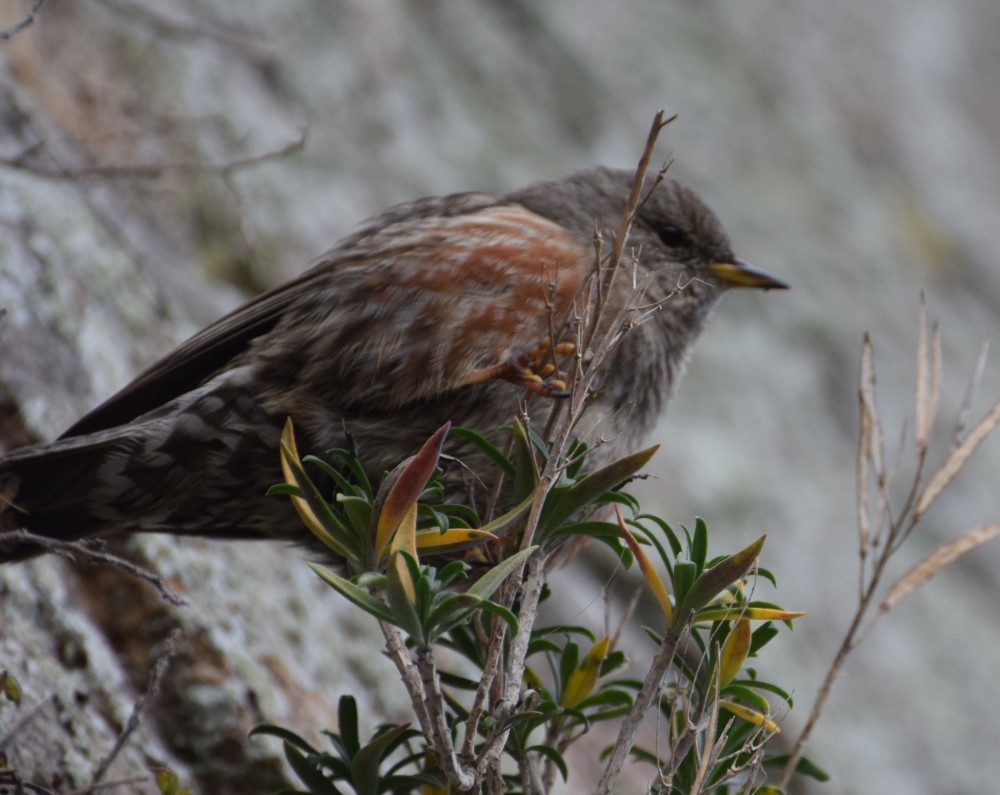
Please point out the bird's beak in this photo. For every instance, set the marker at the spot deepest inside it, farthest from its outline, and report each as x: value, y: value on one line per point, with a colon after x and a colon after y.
x: 742, y: 274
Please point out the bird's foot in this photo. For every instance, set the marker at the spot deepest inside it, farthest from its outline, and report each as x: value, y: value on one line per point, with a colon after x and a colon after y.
x: 535, y: 370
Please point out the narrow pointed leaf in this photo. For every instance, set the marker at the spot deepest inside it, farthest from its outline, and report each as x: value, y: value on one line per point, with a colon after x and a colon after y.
x: 503, y: 523
x: 401, y: 592
x: 583, y: 679
x: 553, y: 756
x: 318, y: 783
x: 483, y: 444
x: 941, y: 557
x: 734, y: 651
x: 463, y: 612
x: 310, y: 504
x: 434, y: 542
x: 648, y: 571
x: 290, y: 737
x: 405, y: 537
x: 720, y: 576
x: 749, y: 715
x: 352, y: 592
x: 735, y: 613
x: 699, y: 544
x: 523, y: 459
x: 957, y: 459
x: 593, y: 486
x: 407, y: 487
x: 365, y: 765
x: 347, y: 723
x: 486, y: 585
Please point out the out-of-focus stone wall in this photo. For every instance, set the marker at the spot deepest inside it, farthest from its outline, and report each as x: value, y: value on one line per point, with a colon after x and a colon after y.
x: 151, y: 177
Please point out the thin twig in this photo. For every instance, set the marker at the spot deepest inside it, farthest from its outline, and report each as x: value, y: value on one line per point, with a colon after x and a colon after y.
x: 23, y: 723
x: 83, y: 550
x: 630, y: 726
x: 152, y: 690
x: 22, y: 162
x: 27, y: 22
x: 396, y: 647
x: 461, y: 778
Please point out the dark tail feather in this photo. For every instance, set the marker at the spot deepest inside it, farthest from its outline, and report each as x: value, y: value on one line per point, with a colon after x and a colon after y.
x: 43, y: 490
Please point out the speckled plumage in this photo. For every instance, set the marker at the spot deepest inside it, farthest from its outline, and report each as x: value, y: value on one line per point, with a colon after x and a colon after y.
x: 408, y: 323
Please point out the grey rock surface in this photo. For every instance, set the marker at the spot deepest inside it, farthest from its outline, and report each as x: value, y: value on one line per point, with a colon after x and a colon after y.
x: 150, y: 178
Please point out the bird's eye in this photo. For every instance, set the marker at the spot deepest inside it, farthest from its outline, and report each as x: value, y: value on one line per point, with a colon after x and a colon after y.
x: 671, y: 235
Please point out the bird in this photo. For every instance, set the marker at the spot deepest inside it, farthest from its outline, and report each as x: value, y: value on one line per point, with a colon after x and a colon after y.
x: 434, y: 311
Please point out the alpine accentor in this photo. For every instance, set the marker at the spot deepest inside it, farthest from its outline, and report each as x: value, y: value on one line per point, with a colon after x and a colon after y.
x: 429, y: 313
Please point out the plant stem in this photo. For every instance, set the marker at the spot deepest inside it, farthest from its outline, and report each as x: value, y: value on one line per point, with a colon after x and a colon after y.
x: 630, y: 726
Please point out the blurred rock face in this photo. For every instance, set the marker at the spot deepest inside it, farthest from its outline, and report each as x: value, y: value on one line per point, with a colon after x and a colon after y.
x: 847, y: 146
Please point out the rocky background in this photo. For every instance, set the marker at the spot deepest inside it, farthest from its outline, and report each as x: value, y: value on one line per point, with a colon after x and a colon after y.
x: 161, y: 161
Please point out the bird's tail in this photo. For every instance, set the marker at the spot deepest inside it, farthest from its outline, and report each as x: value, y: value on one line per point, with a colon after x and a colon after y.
x: 43, y: 490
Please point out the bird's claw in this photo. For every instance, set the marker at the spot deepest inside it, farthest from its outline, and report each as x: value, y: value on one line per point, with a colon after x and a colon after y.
x: 535, y: 370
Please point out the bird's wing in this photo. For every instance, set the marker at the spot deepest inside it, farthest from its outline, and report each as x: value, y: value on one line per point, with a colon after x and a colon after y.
x: 403, y: 312
x: 194, y: 360
x: 433, y: 305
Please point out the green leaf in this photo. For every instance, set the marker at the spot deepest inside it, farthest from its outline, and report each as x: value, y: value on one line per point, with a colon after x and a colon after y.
x: 502, y: 524
x: 10, y: 688
x: 447, y: 605
x: 768, y: 687
x: 525, y: 466
x: 401, y: 576
x: 359, y: 514
x: 342, y: 484
x: 568, y: 661
x: 590, y: 488
x: 289, y: 737
x: 365, y: 765
x: 665, y: 529
x: 553, y: 756
x: 682, y: 578
x: 500, y: 611
x: 805, y: 767
x: 283, y: 489
x: 745, y: 694
x: 333, y: 531
x: 314, y: 779
x: 166, y: 781
x: 350, y: 460
x: 485, y: 446
x: 487, y: 584
x: 716, y: 579
x: 358, y: 596
x: 347, y: 723
x: 593, y: 529
x: 762, y: 636
x: 699, y: 544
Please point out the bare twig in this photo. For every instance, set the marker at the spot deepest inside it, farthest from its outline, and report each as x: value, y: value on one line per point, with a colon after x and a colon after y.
x: 644, y: 699
x: 461, y: 778
x: 23, y: 723
x: 84, y: 550
x: 943, y: 556
x: 895, y: 529
x: 23, y: 162
x: 27, y: 22
x: 970, y: 396
x: 396, y: 647
x: 152, y: 690
x: 954, y: 463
